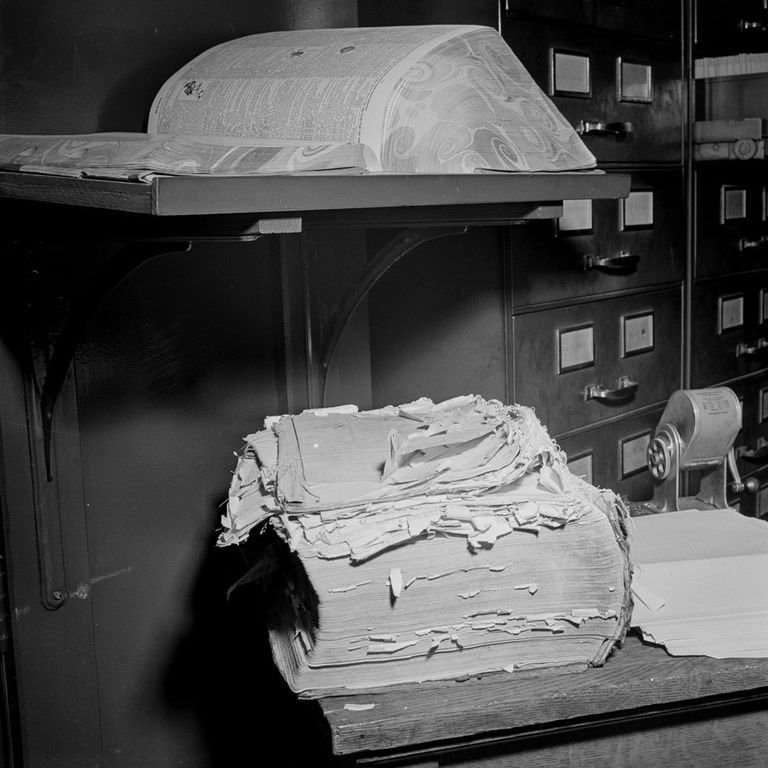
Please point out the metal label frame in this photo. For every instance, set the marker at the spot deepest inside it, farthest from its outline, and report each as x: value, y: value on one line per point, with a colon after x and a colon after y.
x: 620, y: 62
x: 646, y: 433
x: 721, y: 304
x: 561, y: 332
x: 553, y: 89
x: 638, y: 350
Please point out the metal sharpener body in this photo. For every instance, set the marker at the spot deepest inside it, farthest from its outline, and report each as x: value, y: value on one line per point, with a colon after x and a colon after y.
x: 696, y: 432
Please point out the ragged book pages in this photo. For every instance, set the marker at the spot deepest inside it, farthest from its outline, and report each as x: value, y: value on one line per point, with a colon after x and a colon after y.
x: 426, y: 542
x: 421, y: 99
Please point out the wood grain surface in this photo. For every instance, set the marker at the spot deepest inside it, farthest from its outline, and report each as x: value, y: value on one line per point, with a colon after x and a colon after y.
x: 636, y: 678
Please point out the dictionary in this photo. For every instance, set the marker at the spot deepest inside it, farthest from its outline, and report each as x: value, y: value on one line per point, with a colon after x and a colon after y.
x: 398, y: 100
x: 426, y: 541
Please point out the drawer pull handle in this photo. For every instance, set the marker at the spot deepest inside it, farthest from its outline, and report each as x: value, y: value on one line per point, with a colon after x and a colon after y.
x: 599, y: 128
x: 756, y: 455
x: 751, y: 26
x: 624, y: 392
x: 621, y: 262
x: 745, y: 244
x: 755, y: 350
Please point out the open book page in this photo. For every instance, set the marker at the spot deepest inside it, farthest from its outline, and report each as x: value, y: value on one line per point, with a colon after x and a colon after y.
x: 309, y: 86
x: 423, y: 99
x: 104, y: 154
x: 700, y: 582
x: 469, y: 105
x: 427, y: 99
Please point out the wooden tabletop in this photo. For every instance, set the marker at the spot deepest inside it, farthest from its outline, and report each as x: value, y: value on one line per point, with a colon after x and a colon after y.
x: 637, y: 678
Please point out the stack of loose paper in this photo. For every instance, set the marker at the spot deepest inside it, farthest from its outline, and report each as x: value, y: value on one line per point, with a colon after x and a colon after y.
x: 701, y: 582
x: 428, y: 541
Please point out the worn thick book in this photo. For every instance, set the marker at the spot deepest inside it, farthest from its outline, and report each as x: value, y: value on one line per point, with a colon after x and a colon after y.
x: 421, y: 99
x: 427, y: 542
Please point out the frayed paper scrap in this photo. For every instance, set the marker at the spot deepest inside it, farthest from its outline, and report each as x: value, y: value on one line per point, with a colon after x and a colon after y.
x: 350, y: 587
x: 395, y: 582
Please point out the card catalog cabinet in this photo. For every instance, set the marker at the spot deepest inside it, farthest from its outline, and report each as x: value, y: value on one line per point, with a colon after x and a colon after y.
x: 729, y: 334
x: 613, y: 455
x: 757, y: 505
x: 596, y: 296
x: 622, y: 94
x: 585, y: 363
x: 602, y: 246
x: 729, y: 312
x: 731, y: 217
x: 752, y: 442
x: 648, y: 18
x: 733, y: 27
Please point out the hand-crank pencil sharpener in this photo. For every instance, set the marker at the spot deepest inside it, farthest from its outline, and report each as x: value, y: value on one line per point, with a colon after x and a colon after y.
x: 696, y: 434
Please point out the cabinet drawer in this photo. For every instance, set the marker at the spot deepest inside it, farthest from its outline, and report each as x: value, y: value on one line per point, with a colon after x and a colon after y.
x: 759, y: 502
x: 564, y: 356
x: 753, y: 504
x: 751, y: 445
x: 599, y: 246
x: 613, y: 456
x: 737, y: 26
x: 623, y: 95
x: 732, y: 221
x: 729, y: 334
x: 658, y: 19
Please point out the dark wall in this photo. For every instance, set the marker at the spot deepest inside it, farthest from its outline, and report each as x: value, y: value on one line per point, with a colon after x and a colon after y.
x: 145, y: 663
x: 77, y: 66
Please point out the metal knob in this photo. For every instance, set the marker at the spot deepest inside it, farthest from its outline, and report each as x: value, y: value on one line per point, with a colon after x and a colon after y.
x: 751, y: 25
x: 746, y: 244
x: 752, y: 350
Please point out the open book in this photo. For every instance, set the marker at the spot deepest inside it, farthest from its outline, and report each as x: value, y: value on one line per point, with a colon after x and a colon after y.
x: 701, y: 582
x: 422, y: 99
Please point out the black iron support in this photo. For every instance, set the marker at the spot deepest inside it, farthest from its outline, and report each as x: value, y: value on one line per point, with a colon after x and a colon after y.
x: 400, y: 245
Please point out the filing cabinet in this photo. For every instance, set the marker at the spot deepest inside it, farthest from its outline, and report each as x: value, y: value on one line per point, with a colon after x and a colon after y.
x: 737, y: 26
x: 656, y: 19
x: 622, y: 94
x: 753, y: 504
x: 585, y: 363
x: 759, y: 506
x: 751, y: 446
x: 732, y: 220
x: 596, y: 297
x: 603, y: 246
x: 585, y: 314
x: 613, y: 455
x: 729, y: 306
x: 729, y: 336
